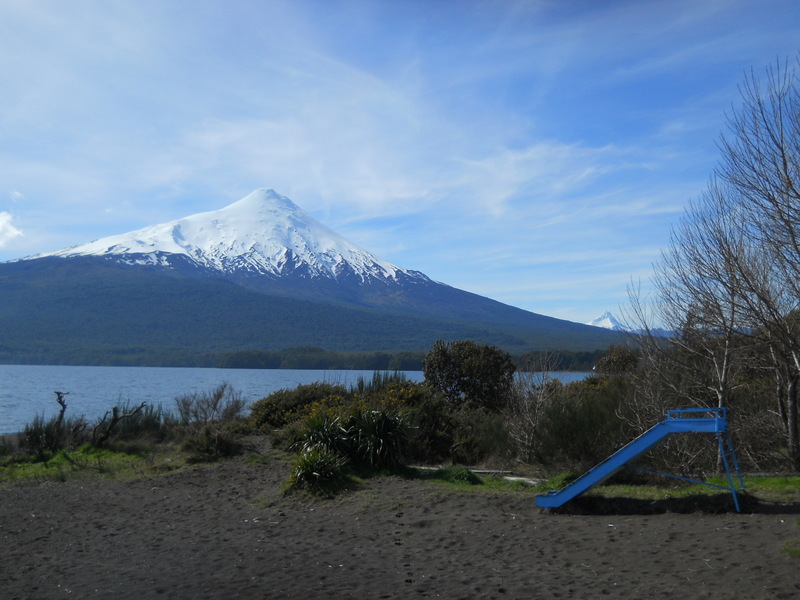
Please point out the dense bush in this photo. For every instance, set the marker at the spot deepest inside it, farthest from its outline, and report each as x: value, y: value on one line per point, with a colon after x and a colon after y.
x: 470, y: 375
x: 284, y: 406
x: 433, y: 430
x: 379, y: 438
x: 212, y: 443
x: 207, y: 424
x: 433, y: 425
x: 326, y: 431
x: 365, y: 438
x: 480, y: 436
x: 571, y: 426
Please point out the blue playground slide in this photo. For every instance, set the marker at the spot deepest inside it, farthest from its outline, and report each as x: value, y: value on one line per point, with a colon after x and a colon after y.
x: 688, y: 420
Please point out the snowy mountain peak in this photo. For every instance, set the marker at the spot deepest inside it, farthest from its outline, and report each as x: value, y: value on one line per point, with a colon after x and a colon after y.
x: 263, y: 233
x: 608, y: 321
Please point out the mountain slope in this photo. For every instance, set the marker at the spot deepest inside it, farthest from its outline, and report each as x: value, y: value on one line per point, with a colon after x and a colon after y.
x: 52, y: 310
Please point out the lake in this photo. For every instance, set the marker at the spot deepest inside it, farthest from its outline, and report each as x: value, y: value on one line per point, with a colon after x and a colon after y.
x: 28, y: 390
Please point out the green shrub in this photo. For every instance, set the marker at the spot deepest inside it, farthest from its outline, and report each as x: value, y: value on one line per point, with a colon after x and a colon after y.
x: 574, y: 426
x: 212, y: 443
x: 325, y: 431
x: 432, y: 423
x: 379, y: 438
x: 480, y: 436
x: 469, y: 374
x: 285, y: 406
x: 372, y: 439
x: 439, y: 431
x: 320, y: 472
x: 288, y: 438
x: 46, y: 437
x: 7, y: 446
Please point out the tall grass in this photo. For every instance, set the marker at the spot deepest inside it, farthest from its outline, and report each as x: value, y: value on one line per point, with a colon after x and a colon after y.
x: 44, y: 437
x: 381, y: 380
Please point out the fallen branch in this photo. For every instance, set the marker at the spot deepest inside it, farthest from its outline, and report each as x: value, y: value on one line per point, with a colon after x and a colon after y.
x: 99, y: 439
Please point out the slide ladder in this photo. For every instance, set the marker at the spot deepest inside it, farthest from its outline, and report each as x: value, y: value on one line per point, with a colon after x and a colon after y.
x: 687, y: 420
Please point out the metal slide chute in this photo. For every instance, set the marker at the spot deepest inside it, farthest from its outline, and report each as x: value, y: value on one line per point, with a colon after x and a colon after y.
x: 687, y: 420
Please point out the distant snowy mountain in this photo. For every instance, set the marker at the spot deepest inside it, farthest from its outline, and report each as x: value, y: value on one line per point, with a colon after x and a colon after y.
x: 608, y: 321
x: 264, y: 233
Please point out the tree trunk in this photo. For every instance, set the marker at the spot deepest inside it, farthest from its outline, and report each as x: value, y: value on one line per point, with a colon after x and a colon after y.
x: 793, y: 444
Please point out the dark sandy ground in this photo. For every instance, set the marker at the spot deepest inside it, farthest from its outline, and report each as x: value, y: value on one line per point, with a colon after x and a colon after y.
x: 226, y: 531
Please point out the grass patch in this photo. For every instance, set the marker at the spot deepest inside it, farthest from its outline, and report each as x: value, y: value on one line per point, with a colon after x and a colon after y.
x: 256, y: 459
x: 683, y: 497
x: 767, y: 488
x: 124, y: 462
x: 773, y: 489
x: 770, y: 489
x: 557, y: 482
x: 455, y: 474
x: 68, y: 464
x: 791, y: 548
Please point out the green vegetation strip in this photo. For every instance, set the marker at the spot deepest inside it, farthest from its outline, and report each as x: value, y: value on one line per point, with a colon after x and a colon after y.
x: 771, y: 489
x: 68, y: 464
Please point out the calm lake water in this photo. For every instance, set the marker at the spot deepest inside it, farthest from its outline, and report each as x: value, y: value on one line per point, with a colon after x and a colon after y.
x: 27, y: 390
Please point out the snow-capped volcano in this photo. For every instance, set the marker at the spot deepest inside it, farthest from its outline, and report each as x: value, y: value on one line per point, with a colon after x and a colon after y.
x: 257, y: 276
x: 264, y: 233
x: 609, y: 321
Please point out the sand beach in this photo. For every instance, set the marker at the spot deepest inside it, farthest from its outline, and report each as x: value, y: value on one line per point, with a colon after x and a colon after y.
x: 227, y: 531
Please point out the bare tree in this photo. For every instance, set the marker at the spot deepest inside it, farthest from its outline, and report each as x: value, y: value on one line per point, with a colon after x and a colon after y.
x: 761, y: 166
x: 533, y: 388
x: 697, y: 294
x: 730, y: 279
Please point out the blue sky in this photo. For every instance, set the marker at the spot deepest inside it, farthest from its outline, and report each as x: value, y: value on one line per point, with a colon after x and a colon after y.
x: 536, y: 152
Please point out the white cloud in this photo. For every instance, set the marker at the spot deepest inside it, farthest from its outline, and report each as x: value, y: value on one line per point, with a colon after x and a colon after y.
x: 7, y: 231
